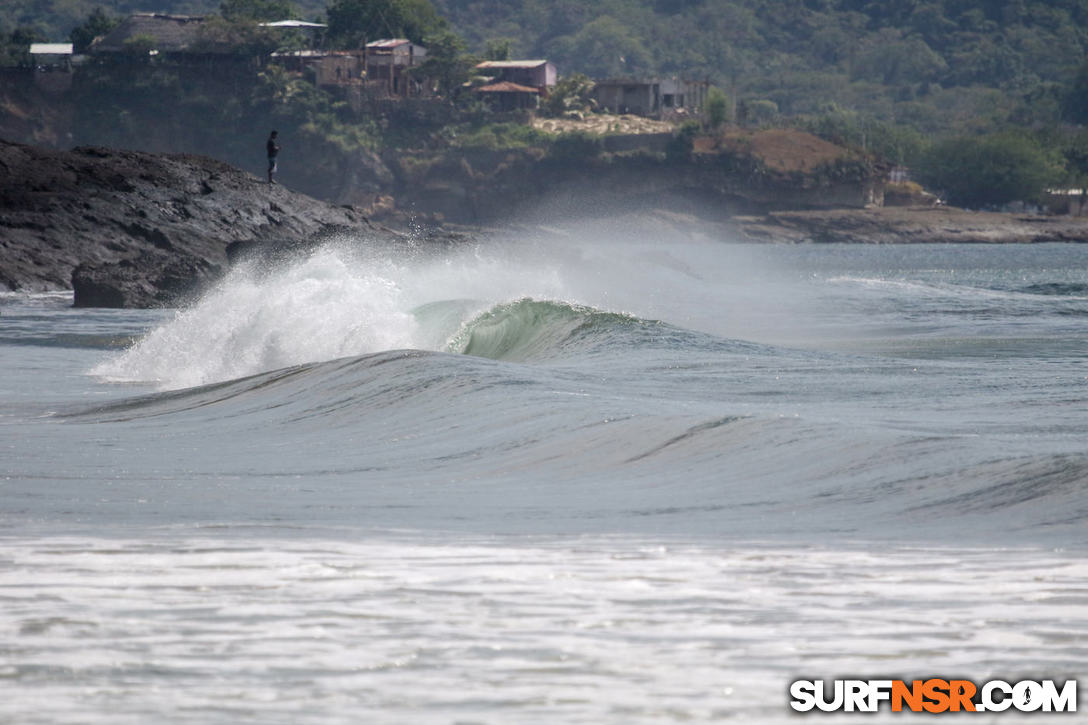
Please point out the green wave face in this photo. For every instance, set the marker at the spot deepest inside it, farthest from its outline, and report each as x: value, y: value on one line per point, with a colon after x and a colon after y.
x: 530, y: 329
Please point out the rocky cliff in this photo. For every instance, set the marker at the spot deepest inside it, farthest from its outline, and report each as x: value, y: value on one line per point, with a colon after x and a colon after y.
x: 132, y: 229
x: 747, y: 172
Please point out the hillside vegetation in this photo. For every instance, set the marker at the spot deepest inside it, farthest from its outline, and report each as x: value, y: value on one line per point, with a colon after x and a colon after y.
x: 937, y: 65
x: 906, y: 80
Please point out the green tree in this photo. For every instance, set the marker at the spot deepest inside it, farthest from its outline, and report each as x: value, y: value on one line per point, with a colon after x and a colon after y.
x: 573, y: 93
x: 682, y: 143
x: 241, y: 36
x: 931, y: 23
x: 1075, y: 151
x: 15, y: 46
x: 498, y: 49
x: 260, y: 10
x: 900, y: 144
x: 606, y: 48
x: 97, y: 23
x: 984, y: 61
x: 759, y: 112
x: 352, y: 23
x: 717, y: 108
x: 1075, y: 106
x: 446, y: 64
x: 990, y: 170
x: 891, y: 60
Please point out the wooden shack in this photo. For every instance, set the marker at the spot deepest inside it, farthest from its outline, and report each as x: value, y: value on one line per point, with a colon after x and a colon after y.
x: 538, y: 74
x: 387, y: 66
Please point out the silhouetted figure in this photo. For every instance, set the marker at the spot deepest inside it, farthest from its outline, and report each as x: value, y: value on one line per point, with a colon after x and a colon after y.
x: 273, y: 152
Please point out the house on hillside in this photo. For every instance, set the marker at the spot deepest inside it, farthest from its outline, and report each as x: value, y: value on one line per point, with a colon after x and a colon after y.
x: 382, y: 67
x: 51, y: 56
x: 327, y: 67
x: 387, y: 66
x: 653, y: 98
x: 338, y: 68
x: 538, y: 74
x: 53, y: 61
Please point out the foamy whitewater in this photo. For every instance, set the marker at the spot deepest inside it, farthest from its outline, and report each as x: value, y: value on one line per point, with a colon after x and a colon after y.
x: 573, y: 480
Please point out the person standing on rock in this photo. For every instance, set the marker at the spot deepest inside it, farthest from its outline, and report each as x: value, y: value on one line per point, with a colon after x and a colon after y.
x: 273, y: 152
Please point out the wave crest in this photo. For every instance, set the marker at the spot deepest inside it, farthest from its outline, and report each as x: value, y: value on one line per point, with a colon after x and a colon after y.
x: 529, y: 329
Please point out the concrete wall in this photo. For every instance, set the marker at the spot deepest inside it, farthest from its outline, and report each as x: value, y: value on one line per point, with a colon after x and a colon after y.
x: 336, y: 69
x: 641, y: 99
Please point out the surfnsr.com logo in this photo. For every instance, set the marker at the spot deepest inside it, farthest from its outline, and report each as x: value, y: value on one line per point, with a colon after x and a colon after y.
x: 933, y: 695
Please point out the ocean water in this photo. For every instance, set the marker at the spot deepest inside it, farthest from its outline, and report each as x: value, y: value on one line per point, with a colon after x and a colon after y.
x: 634, y: 478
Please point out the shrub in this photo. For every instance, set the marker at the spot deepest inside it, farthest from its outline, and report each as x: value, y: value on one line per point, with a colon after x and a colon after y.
x: 717, y: 108
x: 499, y: 136
x: 572, y: 93
x: 683, y: 142
x: 576, y: 146
x: 989, y: 170
x: 759, y: 112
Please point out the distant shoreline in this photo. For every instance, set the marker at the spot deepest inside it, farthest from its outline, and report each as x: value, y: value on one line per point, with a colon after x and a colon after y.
x: 911, y: 225
x: 877, y: 225
x: 131, y: 229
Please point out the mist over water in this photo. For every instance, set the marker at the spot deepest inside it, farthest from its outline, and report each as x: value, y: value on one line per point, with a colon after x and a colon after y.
x: 619, y: 360
x: 350, y: 299
x: 583, y: 478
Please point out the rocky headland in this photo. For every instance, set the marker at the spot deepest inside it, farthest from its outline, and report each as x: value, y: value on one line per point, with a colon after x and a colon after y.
x: 135, y: 229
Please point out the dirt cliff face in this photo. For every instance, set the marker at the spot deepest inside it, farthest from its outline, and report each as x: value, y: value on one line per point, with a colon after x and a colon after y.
x: 470, y: 186
x: 161, y: 222
x: 133, y: 229
x: 33, y: 108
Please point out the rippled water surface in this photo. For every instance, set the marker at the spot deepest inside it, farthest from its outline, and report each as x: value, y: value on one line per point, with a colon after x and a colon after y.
x: 591, y: 481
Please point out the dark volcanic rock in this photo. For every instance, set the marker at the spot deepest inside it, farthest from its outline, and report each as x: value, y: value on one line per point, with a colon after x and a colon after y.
x: 150, y: 280
x: 133, y: 229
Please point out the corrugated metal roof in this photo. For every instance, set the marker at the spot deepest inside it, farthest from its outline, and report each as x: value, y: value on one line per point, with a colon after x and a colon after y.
x: 301, y: 53
x: 506, y: 87
x: 293, y: 24
x: 511, y: 64
x: 388, y: 43
x: 50, y: 48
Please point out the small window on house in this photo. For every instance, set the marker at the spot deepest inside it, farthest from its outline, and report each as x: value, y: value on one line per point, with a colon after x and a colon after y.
x: 667, y: 100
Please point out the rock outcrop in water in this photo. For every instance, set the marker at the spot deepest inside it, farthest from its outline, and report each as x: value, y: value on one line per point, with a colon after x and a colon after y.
x: 133, y: 229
